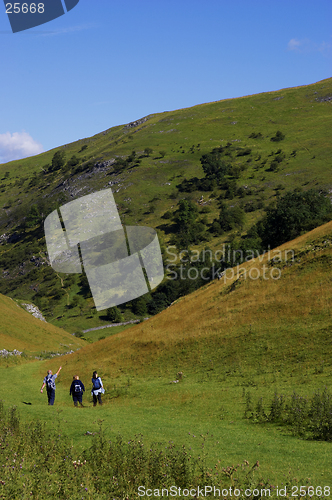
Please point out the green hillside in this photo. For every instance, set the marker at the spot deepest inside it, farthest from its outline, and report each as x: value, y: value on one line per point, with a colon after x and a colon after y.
x: 268, y: 144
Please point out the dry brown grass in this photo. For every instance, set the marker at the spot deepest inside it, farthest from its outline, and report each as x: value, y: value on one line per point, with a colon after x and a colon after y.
x: 20, y: 330
x: 273, y: 309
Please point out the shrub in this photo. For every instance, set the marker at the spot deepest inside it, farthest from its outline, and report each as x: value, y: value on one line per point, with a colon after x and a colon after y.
x: 113, y: 314
x: 230, y: 218
x: 310, y: 417
x: 278, y: 137
x: 73, y: 161
x: 33, y: 217
x: 254, y: 205
x: 139, y: 306
x: 77, y: 301
x: 244, y: 152
x: 39, y: 462
x: 254, y: 135
x: 79, y: 334
x: 167, y: 215
x: 148, y: 151
x: 273, y: 166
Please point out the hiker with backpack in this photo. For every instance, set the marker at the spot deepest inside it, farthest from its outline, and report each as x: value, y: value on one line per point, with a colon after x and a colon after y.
x: 49, y: 382
x: 76, y: 390
x: 97, y: 389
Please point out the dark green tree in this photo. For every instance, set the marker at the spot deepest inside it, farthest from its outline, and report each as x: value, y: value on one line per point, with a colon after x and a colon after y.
x: 295, y: 213
x: 214, y: 165
x: 188, y: 228
x: 158, y: 303
x: 113, y: 314
x: 139, y: 306
x: 79, y: 302
x: 58, y: 160
x: 186, y: 215
x: 148, y: 151
x: 33, y: 217
x: 131, y: 157
x: 230, y: 218
x: 73, y: 161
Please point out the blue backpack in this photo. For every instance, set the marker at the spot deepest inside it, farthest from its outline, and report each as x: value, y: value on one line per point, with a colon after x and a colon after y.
x: 96, y: 383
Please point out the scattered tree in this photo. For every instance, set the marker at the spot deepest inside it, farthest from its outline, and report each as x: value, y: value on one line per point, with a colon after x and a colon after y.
x: 113, y: 314
x: 148, y: 151
x: 139, y: 306
x: 58, y: 160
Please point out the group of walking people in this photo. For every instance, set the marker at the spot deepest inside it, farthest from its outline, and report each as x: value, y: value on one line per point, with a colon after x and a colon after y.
x: 76, y: 389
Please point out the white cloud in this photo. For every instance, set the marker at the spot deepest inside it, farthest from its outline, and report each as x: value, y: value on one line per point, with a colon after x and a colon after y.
x: 63, y: 31
x: 306, y: 46
x: 18, y: 145
x: 325, y: 47
x: 294, y: 44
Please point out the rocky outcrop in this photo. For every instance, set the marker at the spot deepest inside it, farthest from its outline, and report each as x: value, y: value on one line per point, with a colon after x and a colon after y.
x: 38, y: 261
x: 4, y: 238
x: 136, y: 123
x: 104, y: 164
x: 4, y: 353
x: 327, y: 98
x: 53, y: 354
x: 34, y: 311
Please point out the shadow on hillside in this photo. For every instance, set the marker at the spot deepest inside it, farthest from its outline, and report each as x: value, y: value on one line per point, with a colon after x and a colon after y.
x: 167, y: 228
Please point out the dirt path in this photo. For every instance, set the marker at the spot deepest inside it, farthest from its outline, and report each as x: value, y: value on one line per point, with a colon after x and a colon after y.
x: 113, y: 324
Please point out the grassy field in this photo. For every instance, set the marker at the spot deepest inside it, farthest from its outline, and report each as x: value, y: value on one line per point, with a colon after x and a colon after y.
x: 234, y: 336
x: 205, y: 406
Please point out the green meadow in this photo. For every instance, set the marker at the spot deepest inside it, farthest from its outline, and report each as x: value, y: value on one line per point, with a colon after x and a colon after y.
x: 205, y: 412
x: 232, y: 338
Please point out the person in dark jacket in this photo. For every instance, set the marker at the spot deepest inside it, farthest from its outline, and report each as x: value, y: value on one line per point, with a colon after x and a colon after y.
x: 76, y: 390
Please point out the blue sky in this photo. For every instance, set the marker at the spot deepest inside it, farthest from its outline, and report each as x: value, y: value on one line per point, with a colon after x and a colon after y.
x: 109, y: 62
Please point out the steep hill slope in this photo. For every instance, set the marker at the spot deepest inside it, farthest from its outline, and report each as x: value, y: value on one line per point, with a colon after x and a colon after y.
x: 21, y: 331
x: 272, y: 142
x: 273, y: 313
